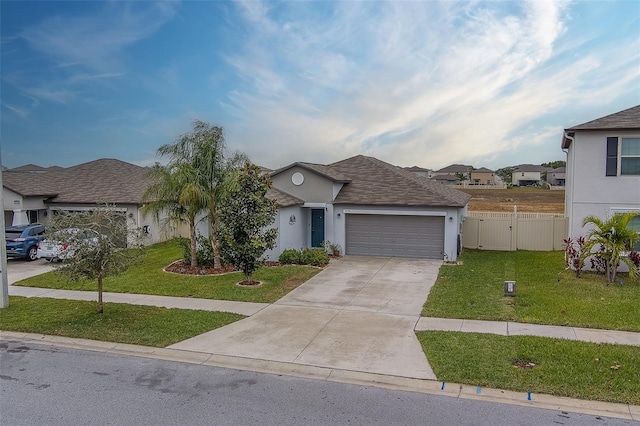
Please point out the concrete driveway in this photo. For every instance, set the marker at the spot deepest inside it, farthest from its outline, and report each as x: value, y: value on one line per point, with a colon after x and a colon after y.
x: 19, y: 269
x: 358, y: 314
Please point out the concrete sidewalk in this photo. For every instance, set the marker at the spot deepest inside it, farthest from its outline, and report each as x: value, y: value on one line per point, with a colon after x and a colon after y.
x: 505, y: 328
x: 243, y: 308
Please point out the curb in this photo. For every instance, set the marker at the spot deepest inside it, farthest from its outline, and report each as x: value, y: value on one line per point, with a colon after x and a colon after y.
x: 432, y: 387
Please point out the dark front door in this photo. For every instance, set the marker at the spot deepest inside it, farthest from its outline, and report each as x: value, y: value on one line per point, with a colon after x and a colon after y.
x: 317, y: 227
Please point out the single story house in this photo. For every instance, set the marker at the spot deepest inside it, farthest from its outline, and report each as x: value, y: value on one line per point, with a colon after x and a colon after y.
x: 603, y: 169
x: 368, y: 207
x: 31, y: 193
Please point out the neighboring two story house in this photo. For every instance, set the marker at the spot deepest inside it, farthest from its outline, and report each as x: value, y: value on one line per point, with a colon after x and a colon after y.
x: 528, y: 175
x: 483, y: 176
x: 557, y: 177
x: 603, y: 168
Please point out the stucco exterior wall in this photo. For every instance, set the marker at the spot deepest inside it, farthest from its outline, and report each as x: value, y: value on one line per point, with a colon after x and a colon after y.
x: 314, y: 189
x: 516, y: 177
x: 588, y: 190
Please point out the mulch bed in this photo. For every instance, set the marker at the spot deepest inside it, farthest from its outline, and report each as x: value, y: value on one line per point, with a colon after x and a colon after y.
x: 180, y: 267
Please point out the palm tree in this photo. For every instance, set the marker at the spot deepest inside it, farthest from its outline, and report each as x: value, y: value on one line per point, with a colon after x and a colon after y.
x: 174, y: 192
x: 614, y: 238
x: 204, y: 150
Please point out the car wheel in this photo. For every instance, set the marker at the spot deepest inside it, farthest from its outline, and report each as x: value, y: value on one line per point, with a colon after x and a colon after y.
x: 32, y: 254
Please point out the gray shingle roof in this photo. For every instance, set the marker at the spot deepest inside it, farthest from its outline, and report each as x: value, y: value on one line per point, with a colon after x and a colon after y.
x: 628, y: 119
x: 455, y: 168
x: 416, y: 169
x: 29, y: 168
x: 482, y: 170
x: 321, y: 169
x: 374, y: 182
x: 104, y: 180
x: 282, y: 198
x: 530, y: 168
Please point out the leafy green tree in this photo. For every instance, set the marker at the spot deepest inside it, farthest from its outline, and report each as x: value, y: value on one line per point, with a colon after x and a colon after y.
x: 505, y: 174
x: 92, y: 245
x: 204, y: 150
x: 554, y: 164
x: 612, y: 238
x: 174, y: 196
x: 245, y: 214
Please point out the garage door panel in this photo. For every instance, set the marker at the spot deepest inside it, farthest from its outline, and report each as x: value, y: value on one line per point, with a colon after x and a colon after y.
x: 395, y: 235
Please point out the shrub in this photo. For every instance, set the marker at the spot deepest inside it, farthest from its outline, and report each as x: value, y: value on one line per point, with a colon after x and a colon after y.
x: 204, y: 253
x: 574, y: 258
x: 289, y: 257
x: 314, y: 256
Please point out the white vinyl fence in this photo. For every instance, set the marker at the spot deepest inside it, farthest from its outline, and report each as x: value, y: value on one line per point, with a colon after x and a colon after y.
x: 514, y: 231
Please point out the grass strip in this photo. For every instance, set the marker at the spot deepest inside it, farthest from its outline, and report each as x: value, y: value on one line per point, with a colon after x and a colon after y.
x: 547, y: 293
x: 122, y: 323
x: 149, y: 278
x: 582, y: 370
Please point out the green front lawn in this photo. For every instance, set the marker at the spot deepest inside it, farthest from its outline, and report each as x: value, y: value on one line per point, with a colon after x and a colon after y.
x: 562, y: 367
x: 149, y: 278
x: 546, y: 292
x: 122, y: 323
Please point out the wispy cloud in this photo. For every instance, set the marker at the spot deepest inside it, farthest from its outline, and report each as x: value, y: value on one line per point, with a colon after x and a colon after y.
x: 93, y: 40
x: 86, y: 49
x: 422, y: 82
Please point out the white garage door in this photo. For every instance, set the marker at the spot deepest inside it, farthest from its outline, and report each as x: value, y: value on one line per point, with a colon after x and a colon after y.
x: 400, y: 236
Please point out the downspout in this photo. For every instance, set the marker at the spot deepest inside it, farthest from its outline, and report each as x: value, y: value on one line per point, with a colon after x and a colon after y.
x: 569, y: 213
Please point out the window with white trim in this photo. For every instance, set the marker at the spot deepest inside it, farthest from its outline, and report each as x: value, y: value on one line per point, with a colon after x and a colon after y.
x: 623, y: 156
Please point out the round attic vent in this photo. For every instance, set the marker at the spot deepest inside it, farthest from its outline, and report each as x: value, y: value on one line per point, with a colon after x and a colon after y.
x: 297, y: 178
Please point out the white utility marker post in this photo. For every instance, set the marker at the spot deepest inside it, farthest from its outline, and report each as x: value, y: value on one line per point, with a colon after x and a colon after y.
x: 4, y: 284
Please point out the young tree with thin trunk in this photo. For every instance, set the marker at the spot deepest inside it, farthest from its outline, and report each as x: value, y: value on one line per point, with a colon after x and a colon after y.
x: 612, y: 238
x: 245, y: 214
x: 173, y: 197
x: 95, y: 244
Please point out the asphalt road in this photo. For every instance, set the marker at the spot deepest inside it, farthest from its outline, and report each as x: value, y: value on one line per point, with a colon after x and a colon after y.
x: 41, y: 384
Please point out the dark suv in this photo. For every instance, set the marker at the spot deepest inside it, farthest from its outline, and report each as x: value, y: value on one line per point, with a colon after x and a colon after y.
x: 22, y: 240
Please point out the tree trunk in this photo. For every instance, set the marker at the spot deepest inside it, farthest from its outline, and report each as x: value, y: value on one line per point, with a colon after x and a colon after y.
x: 100, y: 306
x: 217, y: 262
x: 194, y: 247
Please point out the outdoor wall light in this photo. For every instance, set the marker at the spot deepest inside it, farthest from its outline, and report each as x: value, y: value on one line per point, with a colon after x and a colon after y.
x: 338, y: 214
x: 292, y: 219
x: 450, y: 218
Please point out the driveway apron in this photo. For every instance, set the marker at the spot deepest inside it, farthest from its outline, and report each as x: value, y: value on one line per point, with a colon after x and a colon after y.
x: 358, y: 314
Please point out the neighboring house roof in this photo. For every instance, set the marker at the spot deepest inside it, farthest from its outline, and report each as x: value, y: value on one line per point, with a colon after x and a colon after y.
x: 282, y: 198
x: 321, y: 169
x: 530, y: 168
x: 28, y: 168
x: 104, y: 180
x: 628, y: 119
x: 374, y: 182
x: 482, y: 170
x: 448, y: 178
x: 455, y: 168
x: 559, y: 170
x: 416, y: 169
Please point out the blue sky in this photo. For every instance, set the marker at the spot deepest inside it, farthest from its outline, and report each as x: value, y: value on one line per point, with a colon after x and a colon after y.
x: 422, y: 83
